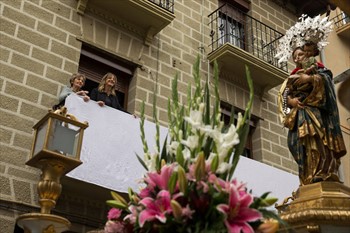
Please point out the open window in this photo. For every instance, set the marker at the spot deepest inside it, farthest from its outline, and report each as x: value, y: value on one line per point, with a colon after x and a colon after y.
x: 95, y: 63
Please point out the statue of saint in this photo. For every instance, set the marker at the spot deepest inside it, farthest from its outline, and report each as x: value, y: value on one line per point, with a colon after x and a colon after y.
x: 308, y: 108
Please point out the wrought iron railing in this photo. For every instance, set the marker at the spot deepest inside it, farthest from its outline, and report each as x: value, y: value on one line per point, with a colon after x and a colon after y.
x: 340, y: 20
x: 230, y: 25
x: 166, y: 4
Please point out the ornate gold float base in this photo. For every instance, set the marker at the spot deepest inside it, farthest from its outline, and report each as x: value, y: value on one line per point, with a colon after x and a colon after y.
x: 42, y: 223
x: 322, y: 207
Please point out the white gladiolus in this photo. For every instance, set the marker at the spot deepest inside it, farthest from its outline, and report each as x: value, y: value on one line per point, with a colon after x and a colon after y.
x: 191, y: 142
x: 223, y: 167
x: 224, y: 141
x: 172, y: 147
x: 186, y: 153
x: 151, y: 161
x: 195, y: 119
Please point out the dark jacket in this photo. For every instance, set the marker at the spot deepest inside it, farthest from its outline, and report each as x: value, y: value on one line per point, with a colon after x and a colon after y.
x: 111, y: 100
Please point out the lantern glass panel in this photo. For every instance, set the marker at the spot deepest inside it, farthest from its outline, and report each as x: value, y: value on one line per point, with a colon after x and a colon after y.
x: 63, y: 138
x: 40, y: 138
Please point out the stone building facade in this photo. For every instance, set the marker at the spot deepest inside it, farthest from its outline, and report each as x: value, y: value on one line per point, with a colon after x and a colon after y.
x: 44, y: 41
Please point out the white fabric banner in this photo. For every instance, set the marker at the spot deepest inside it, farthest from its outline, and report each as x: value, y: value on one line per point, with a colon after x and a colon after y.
x: 109, y: 145
x: 113, y: 137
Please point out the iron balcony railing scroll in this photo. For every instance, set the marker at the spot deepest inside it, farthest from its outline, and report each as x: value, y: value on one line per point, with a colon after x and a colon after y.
x: 231, y: 25
x: 165, y: 4
x: 340, y: 20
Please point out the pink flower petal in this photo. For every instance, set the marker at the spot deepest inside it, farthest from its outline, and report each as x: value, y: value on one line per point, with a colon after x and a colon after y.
x: 114, y: 213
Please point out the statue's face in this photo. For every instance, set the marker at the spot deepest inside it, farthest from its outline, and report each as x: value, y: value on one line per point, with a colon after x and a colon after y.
x: 309, y: 50
x: 298, y: 56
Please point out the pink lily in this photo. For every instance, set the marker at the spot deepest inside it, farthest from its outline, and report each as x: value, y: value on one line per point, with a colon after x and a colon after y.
x: 145, y: 192
x: 133, y: 214
x: 155, y: 209
x: 153, y: 179
x: 114, y: 213
x: 237, y: 212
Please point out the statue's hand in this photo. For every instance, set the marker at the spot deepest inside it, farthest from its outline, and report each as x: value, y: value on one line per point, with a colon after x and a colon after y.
x: 303, y: 78
x: 295, y: 103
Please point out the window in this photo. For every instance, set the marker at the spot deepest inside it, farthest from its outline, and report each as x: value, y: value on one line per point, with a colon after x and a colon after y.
x: 226, y: 117
x: 231, y: 31
x: 94, y: 64
x: 231, y: 22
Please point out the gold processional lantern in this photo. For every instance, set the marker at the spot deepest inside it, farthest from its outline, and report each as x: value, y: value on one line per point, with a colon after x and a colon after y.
x: 56, y: 150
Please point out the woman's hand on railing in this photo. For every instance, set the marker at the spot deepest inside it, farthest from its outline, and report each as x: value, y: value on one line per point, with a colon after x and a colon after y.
x: 101, y: 103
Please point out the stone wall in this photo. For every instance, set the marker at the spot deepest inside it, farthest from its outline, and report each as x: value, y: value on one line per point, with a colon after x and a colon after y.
x: 40, y: 49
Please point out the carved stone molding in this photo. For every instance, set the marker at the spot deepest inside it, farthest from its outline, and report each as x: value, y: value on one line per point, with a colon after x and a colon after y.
x: 143, y: 18
x: 81, y: 6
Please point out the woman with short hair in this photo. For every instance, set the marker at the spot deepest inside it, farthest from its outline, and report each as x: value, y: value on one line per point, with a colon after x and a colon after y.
x: 77, y: 81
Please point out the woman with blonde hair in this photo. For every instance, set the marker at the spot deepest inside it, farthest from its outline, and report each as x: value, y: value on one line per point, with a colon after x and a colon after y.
x: 105, y: 93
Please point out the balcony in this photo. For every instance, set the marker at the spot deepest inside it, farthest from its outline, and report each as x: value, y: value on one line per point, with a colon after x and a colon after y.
x: 238, y: 39
x: 144, y: 18
x: 309, y: 7
x: 109, y: 161
x: 342, y: 25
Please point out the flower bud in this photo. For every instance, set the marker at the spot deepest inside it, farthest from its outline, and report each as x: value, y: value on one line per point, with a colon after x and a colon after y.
x: 268, y: 201
x: 177, y: 209
x: 135, y: 199
x: 182, y: 179
x: 214, y: 163
x: 199, y: 170
x: 172, y: 182
x: 117, y: 197
x: 116, y: 204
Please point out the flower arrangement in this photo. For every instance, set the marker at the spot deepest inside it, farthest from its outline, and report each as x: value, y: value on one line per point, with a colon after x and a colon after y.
x: 189, y: 185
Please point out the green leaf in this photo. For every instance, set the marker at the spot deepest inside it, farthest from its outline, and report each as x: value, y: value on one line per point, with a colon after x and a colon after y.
x: 216, y: 89
x: 142, y: 162
x: 243, y: 134
x: 142, y: 123
x: 179, y: 156
x: 163, y: 154
x: 243, y: 130
x: 207, y: 104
